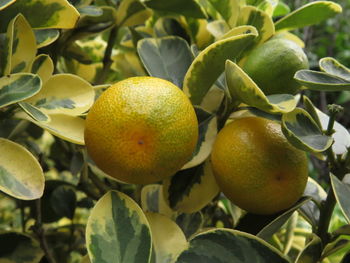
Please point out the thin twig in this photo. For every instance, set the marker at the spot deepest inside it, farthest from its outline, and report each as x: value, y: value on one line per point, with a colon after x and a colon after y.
x: 40, y: 232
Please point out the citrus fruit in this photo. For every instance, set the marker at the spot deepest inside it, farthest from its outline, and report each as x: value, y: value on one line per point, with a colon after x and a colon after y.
x: 141, y: 130
x: 273, y: 64
x: 257, y: 168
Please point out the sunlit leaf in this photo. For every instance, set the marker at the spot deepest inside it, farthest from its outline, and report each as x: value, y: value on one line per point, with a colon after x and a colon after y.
x: 210, y: 63
x: 303, y: 132
x: 167, y: 58
x: 117, y: 231
x: 25, y: 181
x: 18, y: 87
x: 334, y: 68
x: 34, y: 112
x: 64, y: 94
x: 41, y: 13
x: 243, y: 89
x: 305, y: 15
x: 5, y: 3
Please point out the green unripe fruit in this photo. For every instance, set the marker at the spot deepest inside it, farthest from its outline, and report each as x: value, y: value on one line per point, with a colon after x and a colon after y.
x: 273, y: 64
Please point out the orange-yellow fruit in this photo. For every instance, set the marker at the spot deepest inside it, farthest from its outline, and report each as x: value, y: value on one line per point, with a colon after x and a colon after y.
x: 141, y: 130
x: 257, y: 168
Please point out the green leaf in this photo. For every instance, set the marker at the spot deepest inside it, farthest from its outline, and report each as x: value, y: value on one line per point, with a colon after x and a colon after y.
x: 24, y: 181
x: 117, y: 231
x: 281, y: 9
x: 131, y: 13
x: 167, y: 58
x: 341, y: 135
x: 152, y: 200
x: 18, y: 87
x: 41, y: 14
x: 334, y: 68
x: 312, y: 110
x: 341, y: 192
x: 336, y: 246
x: 5, y: 3
x: 18, y: 247
x: 207, y: 134
x: 210, y: 63
x: 310, y: 210
x: 64, y: 94
x: 271, y: 228
x: 88, y: 25
x: 43, y: 66
x: 22, y: 44
x: 228, y: 9
x: 226, y: 245
x: 306, y: 15
x: 312, y: 251
x: 167, y: 238
x: 63, y: 200
x: 302, y: 131
x: 45, y: 37
x: 238, y: 30
x: 250, y: 15
x: 218, y: 28
x: 34, y: 112
x: 187, y: 8
x: 66, y: 127
x: 189, y: 190
x: 5, y: 54
x: 315, y: 80
x: 243, y: 89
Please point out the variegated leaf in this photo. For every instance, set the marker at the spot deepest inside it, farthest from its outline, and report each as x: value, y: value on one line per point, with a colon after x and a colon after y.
x: 167, y: 238
x: 210, y: 63
x: 24, y: 181
x: 218, y: 28
x: 18, y: 87
x: 303, y: 132
x: 42, y: 65
x: 243, y: 89
x: 5, y: 3
x: 190, y: 190
x: 312, y: 251
x: 23, y: 44
x: 41, y: 13
x: 167, y: 58
x: 64, y: 94
x: 207, y: 135
x: 117, y: 231
x: 228, y: 9
x: 227, y: 246
x: 334, y: 68
x: 34, y: 112
x: 305, y: 15
x: 45, y: 37
x: 131, y: 13
x: 238, y: 30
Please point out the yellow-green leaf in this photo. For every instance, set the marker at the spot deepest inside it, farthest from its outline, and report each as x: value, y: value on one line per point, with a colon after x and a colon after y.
x: 309, y: 14
x: 167, y: 238
x: 131, y: 13
x: 118, y: 231
x: 64, y: 94
x: 21, y: 175
x: 45, y: 37
x: 210, y: 63
x: 238, y: 30
x: 250, y: 15
x: 18, y: 87
x: 34, y: 112
x: 22, y: 44
x: 5, y: 3
x: 228, y: 9
x: 190, y: 190
x: 41, y: 13
x: 242, y: 88
x: 66, y: 127
x: 334, y: 68
x: 42, y: 65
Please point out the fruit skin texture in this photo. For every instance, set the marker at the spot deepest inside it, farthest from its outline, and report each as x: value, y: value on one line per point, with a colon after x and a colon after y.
x: 257, y: 168
x: 141, y: 130
x: 273, y: 64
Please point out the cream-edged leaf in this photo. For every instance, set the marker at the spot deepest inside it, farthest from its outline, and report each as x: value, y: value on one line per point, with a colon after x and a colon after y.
x: 24, y: 180
x: 45, y: 37
x: 243, y: 89
x: 34, y: 112
x: 42, y: 65
x: 131, y: 13
x: 64, y: 94
x: 118, y: 231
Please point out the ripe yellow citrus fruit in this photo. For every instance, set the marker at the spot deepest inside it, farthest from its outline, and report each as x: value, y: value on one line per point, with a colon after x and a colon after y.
x: 273, y: 64
x: 257, y: 168
x: 141, y: 130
